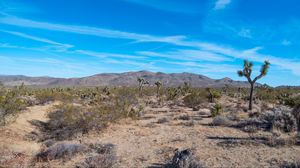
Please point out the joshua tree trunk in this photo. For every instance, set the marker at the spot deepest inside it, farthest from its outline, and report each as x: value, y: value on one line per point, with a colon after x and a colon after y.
x: 251, y: 96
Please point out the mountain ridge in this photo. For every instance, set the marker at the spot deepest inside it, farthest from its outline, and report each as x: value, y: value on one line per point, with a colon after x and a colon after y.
x: 123, y: 79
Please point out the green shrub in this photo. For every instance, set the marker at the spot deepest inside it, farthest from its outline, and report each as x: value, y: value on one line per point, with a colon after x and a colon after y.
x: 195, y: 98
x: 11, y: 103
x: 216, y: 110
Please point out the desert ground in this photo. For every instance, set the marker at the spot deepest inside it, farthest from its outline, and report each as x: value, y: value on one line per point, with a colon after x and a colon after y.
x: 151, y: 139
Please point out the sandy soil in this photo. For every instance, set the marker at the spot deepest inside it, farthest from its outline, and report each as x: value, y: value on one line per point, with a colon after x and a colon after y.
x: 149, y: 143
x: 152, y: 140
x: 14, y: 136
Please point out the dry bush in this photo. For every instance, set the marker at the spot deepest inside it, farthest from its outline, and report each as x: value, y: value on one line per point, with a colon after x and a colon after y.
x: 68, y: 120
x: 184, y: 117
x: 289, y: 164
x: 216, y: 110
x: 221, y: 121
x: 281, y: 141
x: 11, y: 103
x: 103, y: 156
x: 195, y: 98
x: 279, y: 119
x: 184, y: 159
x: 296, y: 114
x: 162, y: 120
x: 61, y: 151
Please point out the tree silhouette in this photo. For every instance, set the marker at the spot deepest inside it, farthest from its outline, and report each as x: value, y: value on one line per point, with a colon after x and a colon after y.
x: 247, y: 71
x: 142, y: 82
x: 158, y: 86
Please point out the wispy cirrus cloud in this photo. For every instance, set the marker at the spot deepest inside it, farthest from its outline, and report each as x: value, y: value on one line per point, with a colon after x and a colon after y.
x: 188, y: 55
x: 39, y: 39
x: 106, y: 55
x: 86, y: 30
x: 169, y: 6
x: 214, y: 52
x: 221, y: 4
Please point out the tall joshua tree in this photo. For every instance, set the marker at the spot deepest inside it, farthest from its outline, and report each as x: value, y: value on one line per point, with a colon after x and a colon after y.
x: 247, y: 71
x: 142, y: 82
x: 158, y: 86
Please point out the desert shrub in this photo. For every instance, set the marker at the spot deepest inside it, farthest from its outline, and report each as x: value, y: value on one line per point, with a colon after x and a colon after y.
x: 212, y: 94
x: 68, y: 120
x: 11, y: 103
x: 162, y: 120
x: 273, y: 141
x: 279, y: 119
x: 296, y: 114
x: 221, y: 121
x: 289, y: 164
x: 103, y: 157
x: 184, y: 117
x: 216, y: 110
x: 194, y: 99
x: 284, y: 121
x: 61, y: 151
x: 173, y: 93
x: 44, y: 96
x: 292, y: 101
x: 184, y: 159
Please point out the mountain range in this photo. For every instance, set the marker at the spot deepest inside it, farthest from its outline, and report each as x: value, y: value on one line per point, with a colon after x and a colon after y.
x: 123, y: 79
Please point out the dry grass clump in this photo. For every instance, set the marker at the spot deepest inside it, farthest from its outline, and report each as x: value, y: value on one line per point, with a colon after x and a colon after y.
x: 216, y: 110
x: 69, y: 120
x: 11, y: 103
x: 290, y: 164
x: 96, y: 155
x: 221, y: 121
x: 184, y: 159
x: 61, y: 151
x: 103, y: 157
x: 195, y: 98
x: 280, y: 118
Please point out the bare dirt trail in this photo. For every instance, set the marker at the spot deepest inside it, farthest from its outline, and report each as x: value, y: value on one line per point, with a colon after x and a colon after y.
x: 13, y: 136
x: 152, y: 140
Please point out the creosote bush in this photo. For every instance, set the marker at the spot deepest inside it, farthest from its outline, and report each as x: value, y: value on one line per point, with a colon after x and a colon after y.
x: 195, y: 98
x: 216, y: 110
x: 68, y: 120
x: 11, y: 103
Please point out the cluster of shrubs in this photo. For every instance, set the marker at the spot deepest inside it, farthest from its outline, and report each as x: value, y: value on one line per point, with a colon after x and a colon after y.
x: 68, y: 119
x: 97, y: 155
x: 11, y: 103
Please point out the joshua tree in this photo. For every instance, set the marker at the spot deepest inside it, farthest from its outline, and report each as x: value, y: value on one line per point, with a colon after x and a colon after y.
x: 247, y: 71
x: 212, y: 95
x: 142, y: 82
x: 158, y: 86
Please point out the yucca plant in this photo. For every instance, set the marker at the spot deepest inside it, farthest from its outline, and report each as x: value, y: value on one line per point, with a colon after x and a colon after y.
x: 158, y: 87
x: 247, y: 71
x: 142, y: 82
x: 216, y: 110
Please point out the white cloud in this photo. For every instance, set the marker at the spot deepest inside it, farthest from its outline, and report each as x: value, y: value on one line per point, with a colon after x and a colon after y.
x: 86, y: 30
x: 188, y: 55
x: 221, y: 4
x: 58, y: 45
x: 106, y: 55
x: 213, y: 51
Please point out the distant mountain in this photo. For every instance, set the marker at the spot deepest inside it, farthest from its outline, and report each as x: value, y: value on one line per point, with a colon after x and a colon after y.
x: 123, y: 79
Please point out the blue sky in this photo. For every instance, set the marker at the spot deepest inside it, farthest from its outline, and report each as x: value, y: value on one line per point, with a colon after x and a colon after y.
x: 209, y: 37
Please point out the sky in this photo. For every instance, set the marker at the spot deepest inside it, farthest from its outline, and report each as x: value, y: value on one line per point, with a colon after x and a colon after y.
x: 76, y: 38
